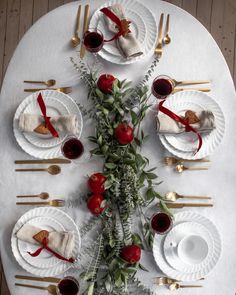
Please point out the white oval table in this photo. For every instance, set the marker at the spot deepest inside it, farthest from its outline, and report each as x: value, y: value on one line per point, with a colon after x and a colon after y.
x: 193, y: 54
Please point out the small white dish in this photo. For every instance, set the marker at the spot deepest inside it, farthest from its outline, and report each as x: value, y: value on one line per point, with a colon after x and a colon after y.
x: 192, y: 249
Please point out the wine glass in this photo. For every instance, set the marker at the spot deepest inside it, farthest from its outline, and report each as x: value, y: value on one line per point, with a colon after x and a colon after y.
x: 72, y: 148
x: 93, y: 40
x: 68, y: 286
x: 162, y: 86
x: 161, y: 223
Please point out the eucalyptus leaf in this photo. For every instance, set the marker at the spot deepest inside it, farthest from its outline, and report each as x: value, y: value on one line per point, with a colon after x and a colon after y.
x: 164, y: 208
x: 110, y: 165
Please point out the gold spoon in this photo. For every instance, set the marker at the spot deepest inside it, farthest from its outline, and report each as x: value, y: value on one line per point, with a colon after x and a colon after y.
x: 53, y: 169
x: 167, y: 38
x: 52, y: 289
x: 173, y: 196
x: 180, y: 168
x: 75, y: 41
x: 176, y: 286
x: 48, y: 83
x: 43, y: 196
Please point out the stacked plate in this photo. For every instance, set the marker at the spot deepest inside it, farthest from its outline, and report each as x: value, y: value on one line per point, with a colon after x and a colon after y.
x: 184, y: 145
x: 50, y: 219
x: 45, y: 146
x: 143, y: 26
x: 190, y: 250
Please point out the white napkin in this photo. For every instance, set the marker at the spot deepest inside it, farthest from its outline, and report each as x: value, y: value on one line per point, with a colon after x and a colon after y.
x: 166, y: 125
x: 129, y: 45
x: 62, y: 124
x: 61, y: 242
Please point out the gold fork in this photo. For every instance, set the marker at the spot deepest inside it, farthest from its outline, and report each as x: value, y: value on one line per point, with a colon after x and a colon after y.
x: 54, y: 203
x: 158, y: 50
x: 163, y: 281
x: 52, y: 289
x: 169, y: 161
x: 65, y: 90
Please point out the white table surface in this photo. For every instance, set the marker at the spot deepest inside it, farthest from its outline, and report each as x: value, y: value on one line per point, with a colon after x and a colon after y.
x: 193, y: 54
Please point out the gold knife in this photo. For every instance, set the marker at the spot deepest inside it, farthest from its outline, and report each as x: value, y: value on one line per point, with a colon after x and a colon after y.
x: 182, y: 205
x: 45, y: 161
x: 40, y: 279
x: 85, y: 28
x: 192, y: 89
x: 158, y: 50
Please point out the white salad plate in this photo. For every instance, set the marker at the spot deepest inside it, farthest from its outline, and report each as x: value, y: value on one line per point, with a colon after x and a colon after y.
x: 62, y: 220
x: 179, y: 234
x: 184, y: 145
x: 158, y: 248
x: 143, y: 26
x: 34, y: 148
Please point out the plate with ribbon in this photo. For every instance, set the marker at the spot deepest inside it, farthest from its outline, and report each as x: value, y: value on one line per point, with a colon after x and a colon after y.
x: 62, y: 220
x: 143, y: 27
x: 45, y: 152
x: 185, y: 145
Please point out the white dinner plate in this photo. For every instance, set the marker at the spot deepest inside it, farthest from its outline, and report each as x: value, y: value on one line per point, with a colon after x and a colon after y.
x: 26, y: 145
x: 184, y: 146
x: 45, y: 259
x: 187, y: 216
x: 63, y: 219
x: 179, y: 232
x: 143, y: 26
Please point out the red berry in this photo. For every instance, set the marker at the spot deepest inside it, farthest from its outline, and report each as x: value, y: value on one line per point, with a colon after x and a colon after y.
x: 105, y: 83
x: 94, y: 204
x: 96, y: 183
x: 131, y: 253
x: 124, y: 133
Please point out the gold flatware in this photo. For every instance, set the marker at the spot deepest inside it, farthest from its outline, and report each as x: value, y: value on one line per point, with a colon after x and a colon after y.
x: 43, y: 196
x: 53, y: 169
x: 158, y: 50
x: 167, y: 38
x: 163, y: 281
x: 52, y: 289
x: 181, y: 168
x: 189, y: 82
x: 173, y: 196
x: 45, y: 161
x: 39, y: 279
x: 176, y: 286
x: 65, y: 90
x: 183, y: 205
x: 85, y: 28
x: 75, y: 41
x: 192, y: 89
x: 54, y: 203
x: 48, y: 83
x: 169, y: 161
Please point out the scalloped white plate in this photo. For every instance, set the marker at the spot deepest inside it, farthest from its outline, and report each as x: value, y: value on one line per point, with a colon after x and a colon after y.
x: 183, y: 146
x: 176, y: 235
x: 143, y: 26
x: 44, y: 152
x: 187, y: 216
x: 62, y: 218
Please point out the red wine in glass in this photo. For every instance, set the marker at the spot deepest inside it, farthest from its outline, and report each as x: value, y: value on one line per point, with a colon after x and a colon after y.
x: 161, y: 223
x: 72, y: 148
x: 68, y: 286
x: 93, y: 40
x: 162, y: 86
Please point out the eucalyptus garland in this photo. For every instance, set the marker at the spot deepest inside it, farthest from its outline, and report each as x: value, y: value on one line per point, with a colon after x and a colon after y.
x: 130, y: 183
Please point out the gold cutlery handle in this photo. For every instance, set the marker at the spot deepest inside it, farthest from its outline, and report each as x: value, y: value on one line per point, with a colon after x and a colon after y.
x: 196, y: 197
x: 40, y: 279
x: 194, y: 169
x: 85, y: 28
x: 40, y: 89
x: 190, y: 286
x: 160, y: 35
x: 31, y: 286
x: 78, y: 20
x: 193, y: 82
x: 200, y: 160
x: 196, y: 89
x: 167, y: 25
x: 49, y: 161
x: 197, y: 205
x: 35, y: 82
x: 32, y: 203
x: 28, y: 196
x: 30, y: 169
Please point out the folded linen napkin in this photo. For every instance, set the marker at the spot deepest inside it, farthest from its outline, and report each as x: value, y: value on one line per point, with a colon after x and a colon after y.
x: 166, y: 125
x: 61, y: 242
x: 128, y: 45
x: 62, y: 124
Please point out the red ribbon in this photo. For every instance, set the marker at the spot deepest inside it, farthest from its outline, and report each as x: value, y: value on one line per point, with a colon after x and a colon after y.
x: 175, y: 117
x: 116, y: 20
x: 45, y: 246
x: 44, y: 113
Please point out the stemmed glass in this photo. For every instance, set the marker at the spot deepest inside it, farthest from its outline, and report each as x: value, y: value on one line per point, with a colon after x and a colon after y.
x: 161, y: 223
x: 68, y: 286
x: 72, y: 148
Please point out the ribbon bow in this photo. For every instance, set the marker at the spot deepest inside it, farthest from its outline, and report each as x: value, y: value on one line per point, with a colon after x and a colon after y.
x: 45, y: 246
x: 123, y: 25
x: 177, y: 118
x: 44, y: 113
